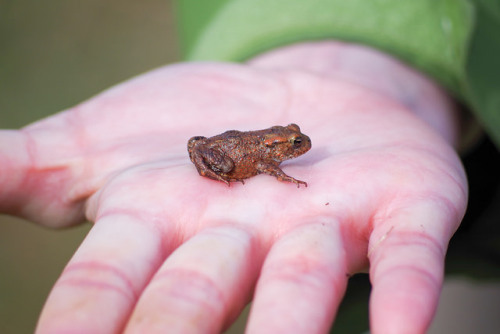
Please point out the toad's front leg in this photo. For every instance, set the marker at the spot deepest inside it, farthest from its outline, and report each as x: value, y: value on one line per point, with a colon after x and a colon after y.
x: 275, y: 171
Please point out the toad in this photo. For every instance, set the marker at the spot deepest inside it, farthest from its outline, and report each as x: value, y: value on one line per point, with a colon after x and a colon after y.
x: 236, y: 155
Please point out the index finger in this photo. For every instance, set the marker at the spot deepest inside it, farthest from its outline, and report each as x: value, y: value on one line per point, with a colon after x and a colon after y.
x: 102, y: 282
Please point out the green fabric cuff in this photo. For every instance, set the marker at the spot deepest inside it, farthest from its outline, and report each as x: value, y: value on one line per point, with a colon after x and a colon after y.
x: 454, y: 41
x: 431, y: 35
x: 483, y: 68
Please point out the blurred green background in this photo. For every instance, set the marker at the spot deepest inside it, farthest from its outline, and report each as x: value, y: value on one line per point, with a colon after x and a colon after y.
x: 57, y: 53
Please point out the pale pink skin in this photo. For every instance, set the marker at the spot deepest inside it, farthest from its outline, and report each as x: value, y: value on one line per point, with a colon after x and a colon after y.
x: 174, y: 252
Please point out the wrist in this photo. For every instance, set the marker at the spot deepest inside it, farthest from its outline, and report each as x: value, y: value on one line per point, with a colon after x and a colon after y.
x: 376, y: 71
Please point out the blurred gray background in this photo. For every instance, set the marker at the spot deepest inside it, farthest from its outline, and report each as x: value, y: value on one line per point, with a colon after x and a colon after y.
x: 56, y: 53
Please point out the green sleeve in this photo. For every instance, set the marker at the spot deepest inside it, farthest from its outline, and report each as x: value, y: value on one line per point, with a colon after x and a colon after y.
x: 455, y: 41
x: 482, y: 80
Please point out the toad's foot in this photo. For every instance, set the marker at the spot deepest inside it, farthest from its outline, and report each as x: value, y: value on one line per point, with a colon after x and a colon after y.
x: 275, y: 171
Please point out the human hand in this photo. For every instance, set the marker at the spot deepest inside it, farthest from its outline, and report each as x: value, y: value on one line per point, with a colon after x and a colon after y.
x: 173, y: 251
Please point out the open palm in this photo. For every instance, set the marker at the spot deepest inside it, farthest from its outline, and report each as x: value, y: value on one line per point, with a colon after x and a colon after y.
x: 173, y: 251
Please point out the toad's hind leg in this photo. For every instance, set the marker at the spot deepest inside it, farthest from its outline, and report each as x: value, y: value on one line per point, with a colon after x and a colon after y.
x: 275, y: 171
x: 211, y: 164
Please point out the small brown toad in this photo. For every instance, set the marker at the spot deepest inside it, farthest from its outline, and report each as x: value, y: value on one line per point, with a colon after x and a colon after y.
x: 235, y: 155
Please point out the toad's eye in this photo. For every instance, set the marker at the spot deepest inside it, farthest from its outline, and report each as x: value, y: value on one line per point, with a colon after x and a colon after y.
x: 297, y: 142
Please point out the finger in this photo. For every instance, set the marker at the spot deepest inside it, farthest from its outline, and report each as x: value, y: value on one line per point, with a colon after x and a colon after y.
x: 202, y: 286
x: 100, y: 285
x: 302, y: 282
x: 406, y: 255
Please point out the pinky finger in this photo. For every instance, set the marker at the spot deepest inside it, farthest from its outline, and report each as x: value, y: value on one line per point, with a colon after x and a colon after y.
x: 406, y: 270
